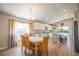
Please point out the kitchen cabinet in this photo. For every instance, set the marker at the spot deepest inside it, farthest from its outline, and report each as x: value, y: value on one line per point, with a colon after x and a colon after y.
x: 49, y: 27
x: 60, y: 37
x: 41, y: 26
x: 38, y: 26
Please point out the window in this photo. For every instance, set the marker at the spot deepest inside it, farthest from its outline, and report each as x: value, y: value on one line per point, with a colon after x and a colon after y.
x: 21, y: 28
x: 63, y: 29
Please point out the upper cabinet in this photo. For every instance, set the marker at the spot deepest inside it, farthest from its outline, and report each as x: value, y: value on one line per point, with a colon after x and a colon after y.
x: 37, y: 26
x: 41, y: 26
x: 49, y: 27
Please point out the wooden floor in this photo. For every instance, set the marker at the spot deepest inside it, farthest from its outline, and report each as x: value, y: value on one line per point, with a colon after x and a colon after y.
x: 54, y: 49
x: 60, y: 49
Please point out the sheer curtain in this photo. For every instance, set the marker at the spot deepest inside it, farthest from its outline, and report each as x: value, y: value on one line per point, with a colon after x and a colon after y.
x: 20, y: 29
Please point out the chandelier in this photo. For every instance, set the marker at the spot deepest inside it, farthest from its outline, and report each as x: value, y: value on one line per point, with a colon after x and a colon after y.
x: 31, y: 16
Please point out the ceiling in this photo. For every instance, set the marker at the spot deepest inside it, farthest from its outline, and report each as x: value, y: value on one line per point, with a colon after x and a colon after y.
x: 46, y: 12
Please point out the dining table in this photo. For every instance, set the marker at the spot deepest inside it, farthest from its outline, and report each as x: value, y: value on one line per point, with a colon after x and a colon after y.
x: 35, y: 40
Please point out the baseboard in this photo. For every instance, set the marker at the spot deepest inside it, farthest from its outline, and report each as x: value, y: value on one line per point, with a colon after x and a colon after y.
x: 3, y: 48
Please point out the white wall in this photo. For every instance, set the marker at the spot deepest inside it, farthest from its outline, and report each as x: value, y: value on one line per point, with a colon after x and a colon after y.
x: 4, y: 29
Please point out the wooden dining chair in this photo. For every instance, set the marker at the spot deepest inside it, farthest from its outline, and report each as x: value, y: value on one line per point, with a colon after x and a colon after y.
x: 26, y: 44
x: 22, y: 43
x: 43, y: 47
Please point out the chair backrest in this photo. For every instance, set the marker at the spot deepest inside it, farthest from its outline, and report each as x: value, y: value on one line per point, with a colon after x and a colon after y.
x: 45, y: 44
x: 22, y: 40
x: 25, y: 41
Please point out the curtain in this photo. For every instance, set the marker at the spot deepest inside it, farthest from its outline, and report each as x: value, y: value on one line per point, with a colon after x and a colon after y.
x: 12, y: 41
x: 30, y: 27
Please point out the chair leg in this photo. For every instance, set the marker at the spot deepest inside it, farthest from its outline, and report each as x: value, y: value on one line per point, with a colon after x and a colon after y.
x: 22, y: 49
x: 25, y: 51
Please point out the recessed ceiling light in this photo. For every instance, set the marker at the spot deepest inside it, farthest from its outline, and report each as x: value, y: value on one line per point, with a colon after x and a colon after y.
x: 34, y: 18
x: 64, y: 10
